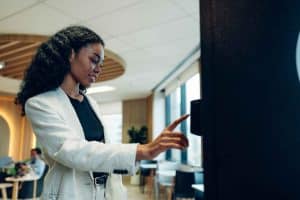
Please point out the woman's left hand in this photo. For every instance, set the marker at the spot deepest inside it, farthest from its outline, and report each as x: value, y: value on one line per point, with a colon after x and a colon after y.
x: 166, y: 140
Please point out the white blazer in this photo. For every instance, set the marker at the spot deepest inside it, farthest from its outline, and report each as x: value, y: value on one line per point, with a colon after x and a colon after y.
x: 71, y: 158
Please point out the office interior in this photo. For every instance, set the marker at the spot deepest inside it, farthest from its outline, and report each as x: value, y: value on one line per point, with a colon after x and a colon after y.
x: 249, y: 86
x: 151, y: 73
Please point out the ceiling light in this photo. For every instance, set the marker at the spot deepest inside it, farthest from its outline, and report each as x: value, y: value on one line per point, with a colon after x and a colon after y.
x: 100, y: 89
x: 2, y: 64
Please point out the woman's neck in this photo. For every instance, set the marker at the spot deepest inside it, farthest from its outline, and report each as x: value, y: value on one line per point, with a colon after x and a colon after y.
x: 71, y: 88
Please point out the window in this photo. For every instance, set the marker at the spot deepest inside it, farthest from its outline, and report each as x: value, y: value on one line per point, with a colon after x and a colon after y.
x: 175, y: 102
x: 194, y: 153
x: 178, y: 103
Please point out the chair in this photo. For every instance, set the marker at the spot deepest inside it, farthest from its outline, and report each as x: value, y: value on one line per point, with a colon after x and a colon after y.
x: 183, y: 184
x: 3, y: 175
x: 199, y: 180
x: 145, y: 172
x: 199, y: 177
x: 3, y: 187
x: 8, y: 191
x: 164, y: 178
x: 5, y: 161
x: 26, y: 190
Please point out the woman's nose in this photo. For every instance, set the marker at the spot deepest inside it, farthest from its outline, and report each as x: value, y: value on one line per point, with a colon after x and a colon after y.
x: 97, y: 69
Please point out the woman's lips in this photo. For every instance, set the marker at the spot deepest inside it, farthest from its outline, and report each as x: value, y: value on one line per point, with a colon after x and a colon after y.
x: 93, y: 78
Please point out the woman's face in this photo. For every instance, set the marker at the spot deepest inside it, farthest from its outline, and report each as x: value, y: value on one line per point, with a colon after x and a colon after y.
x: 86, y: 64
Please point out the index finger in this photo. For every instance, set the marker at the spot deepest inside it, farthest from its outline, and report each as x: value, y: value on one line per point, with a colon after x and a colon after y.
x: 173, y: 125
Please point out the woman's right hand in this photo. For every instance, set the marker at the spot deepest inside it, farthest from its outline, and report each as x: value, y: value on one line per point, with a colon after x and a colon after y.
x: 166, y: 140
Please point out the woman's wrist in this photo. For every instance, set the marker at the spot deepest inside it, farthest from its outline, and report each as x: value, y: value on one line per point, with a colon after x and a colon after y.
x: 142, y: 152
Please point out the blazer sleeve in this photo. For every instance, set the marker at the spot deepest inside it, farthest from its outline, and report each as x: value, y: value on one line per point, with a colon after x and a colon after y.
x: 70, y: 149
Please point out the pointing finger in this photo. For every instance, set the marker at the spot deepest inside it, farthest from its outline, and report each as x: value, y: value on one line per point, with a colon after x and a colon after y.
x: 173, y: 125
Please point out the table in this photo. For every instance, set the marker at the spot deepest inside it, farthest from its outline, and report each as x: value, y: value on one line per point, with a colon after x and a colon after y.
x: 164, y: 178
x: 148, y: 166
x: 3, y: 187
x: 199, y: 187
x: 152, y: 167
x: 167, y: 173
x: 16, y: 180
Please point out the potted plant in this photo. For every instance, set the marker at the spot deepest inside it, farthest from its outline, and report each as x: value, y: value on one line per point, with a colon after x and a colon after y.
x: 137, y: 136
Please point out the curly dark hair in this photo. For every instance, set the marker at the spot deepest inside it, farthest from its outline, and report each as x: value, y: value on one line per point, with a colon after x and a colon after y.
x: 37, y: 150
x: 51, y: 63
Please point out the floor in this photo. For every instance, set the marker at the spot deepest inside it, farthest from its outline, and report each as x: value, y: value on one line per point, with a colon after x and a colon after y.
x: 134, y: 193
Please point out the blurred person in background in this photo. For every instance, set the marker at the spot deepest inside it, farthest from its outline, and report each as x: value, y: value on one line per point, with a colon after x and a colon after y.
x: 36, y: 163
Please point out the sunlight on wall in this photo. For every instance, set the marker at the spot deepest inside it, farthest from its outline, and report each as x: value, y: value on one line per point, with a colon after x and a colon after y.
x: 22, y: 137
x: 33, y: 141
x: 9, y: 121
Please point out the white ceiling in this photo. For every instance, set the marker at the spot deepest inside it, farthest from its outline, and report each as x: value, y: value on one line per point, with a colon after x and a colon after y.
x: 152, y: 36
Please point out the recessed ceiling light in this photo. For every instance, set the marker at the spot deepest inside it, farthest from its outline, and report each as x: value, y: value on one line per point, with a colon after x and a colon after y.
x: 2, y: 64
x: 100, y: 89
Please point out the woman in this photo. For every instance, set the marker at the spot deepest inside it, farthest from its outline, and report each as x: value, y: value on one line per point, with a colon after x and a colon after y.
x: 82, y: 162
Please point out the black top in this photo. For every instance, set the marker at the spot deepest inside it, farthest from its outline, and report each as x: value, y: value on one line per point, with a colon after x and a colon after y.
x: 91, y: 124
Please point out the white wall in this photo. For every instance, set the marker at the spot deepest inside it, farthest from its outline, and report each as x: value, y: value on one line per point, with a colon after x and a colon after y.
x: 112, y: 120
x: 111, y: 108
x: 158, y: 117
x: 8, y: 85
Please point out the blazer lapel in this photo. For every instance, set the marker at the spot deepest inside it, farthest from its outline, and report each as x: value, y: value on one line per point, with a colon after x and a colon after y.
x: 70, y: 112
x: 71, y: 115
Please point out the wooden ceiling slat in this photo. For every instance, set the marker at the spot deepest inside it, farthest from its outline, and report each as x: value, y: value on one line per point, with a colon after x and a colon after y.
x: 110, y: 62
x: 14, y: 47
x: 25, y: 62
x: 18, y: 74
x: 9, y: 72
x: 20, y: 77
x: 8, y: 64
x: 12, y: 73
x: 19, y: 49
x: 17, y: 52
x: 23, y: 38
x: 115, y: 72
x: 9, y: 44
x: 105, y: 79
x: 17, y: 66
x: 19, y: 62
x: 31, y: 50
x: 101, y: 78
x: 112, y: 70
x: 115, y: 65
x: 111, y: 74
x: 108, y: 77
x: 107, y: 59
x: 20, y: 56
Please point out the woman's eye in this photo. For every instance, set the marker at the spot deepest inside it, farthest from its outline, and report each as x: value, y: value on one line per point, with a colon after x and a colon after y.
x: 94, y: 61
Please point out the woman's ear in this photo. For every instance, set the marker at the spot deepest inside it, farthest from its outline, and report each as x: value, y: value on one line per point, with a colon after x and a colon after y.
x: 72, y: 56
